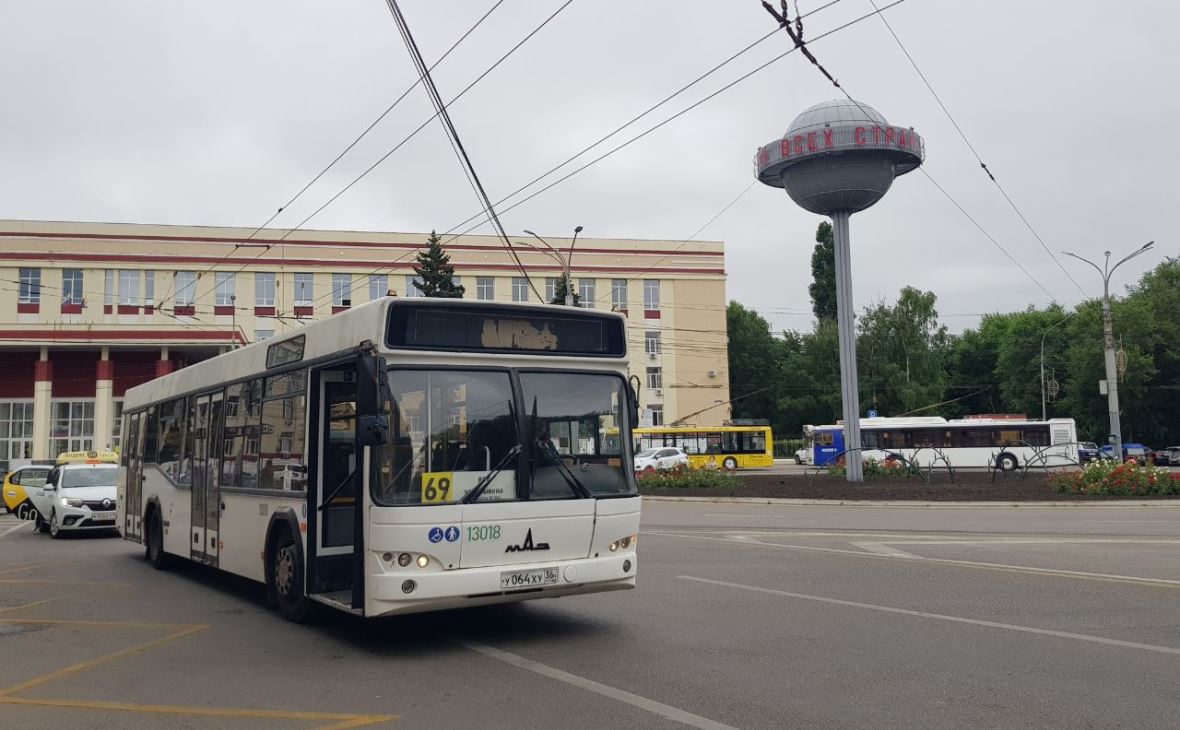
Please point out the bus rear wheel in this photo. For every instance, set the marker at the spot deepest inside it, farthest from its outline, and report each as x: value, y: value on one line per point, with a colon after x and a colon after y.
x: 730, y: 463
x: 285, y: 577
x: 1006, y: 462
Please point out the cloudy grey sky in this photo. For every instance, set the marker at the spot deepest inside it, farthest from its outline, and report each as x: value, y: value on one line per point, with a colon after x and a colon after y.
x: 216, y: 112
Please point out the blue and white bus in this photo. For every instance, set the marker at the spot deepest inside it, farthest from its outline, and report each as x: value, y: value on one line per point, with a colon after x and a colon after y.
x: 966, y: 443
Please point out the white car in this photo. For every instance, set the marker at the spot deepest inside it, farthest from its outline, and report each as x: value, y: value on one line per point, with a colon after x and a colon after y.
x: 77, y: 497
x: 668, y: 457
x: 803, y: 456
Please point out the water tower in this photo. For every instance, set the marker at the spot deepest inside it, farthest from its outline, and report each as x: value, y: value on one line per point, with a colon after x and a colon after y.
x: 837, y: 158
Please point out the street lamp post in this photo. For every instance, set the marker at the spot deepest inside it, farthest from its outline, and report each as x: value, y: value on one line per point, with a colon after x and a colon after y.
x: 1047, y: 331
x: 1112, y: 379
x: 564, y: 263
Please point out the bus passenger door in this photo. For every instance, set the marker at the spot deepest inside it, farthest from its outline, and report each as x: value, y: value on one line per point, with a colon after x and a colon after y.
x: 332, y: 519
x: 133, y: 476
x: 206, y: 470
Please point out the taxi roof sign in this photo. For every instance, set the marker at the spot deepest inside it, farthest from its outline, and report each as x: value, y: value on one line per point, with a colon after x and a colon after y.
x: 88, y: 457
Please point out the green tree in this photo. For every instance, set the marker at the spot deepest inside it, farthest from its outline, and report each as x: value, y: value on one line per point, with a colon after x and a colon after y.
x: 754, y: 357
x: 823, y: 274
x: 436, y: 276
x: 559, y: 290
x: 901, y: 354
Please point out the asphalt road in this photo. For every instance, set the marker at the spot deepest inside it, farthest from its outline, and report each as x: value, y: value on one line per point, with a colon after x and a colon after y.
x: 748, y: 616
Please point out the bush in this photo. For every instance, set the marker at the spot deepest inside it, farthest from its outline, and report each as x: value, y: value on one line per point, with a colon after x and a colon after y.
x: 1105, y: 477
x: 874, y: 468
x: 687, y: 478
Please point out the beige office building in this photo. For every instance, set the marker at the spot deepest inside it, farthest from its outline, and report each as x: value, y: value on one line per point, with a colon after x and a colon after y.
x: 88, y: 310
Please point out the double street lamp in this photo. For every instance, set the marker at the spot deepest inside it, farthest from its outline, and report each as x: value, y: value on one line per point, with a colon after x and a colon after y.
x: 563, y: 263
x: 1112, y: 388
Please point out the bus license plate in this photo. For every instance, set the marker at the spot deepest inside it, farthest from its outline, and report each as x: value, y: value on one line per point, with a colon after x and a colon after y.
x: 528, y: 578
x: 101, y: 516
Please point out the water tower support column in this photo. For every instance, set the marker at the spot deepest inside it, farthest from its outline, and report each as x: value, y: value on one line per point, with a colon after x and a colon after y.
x: 846, y: 326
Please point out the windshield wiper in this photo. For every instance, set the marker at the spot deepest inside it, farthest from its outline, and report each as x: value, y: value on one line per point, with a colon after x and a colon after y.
x: 546, y: 447
x: 488, y: 478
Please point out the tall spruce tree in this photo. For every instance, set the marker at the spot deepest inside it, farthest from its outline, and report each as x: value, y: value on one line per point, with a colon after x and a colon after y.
x: 559, y: 292
x: 823, y: 272
x: 436, y: 276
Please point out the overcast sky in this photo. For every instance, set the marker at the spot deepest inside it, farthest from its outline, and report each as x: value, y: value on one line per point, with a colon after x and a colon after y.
x: 217, y: 112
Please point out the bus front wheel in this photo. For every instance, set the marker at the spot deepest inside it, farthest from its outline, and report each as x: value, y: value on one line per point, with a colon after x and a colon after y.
x: 286, y: 577
x: 730, y: 463
x: 1006, y: 462
x: 154, y: 552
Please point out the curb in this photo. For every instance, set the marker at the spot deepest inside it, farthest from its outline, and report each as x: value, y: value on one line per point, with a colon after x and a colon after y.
x: 1167, y: 503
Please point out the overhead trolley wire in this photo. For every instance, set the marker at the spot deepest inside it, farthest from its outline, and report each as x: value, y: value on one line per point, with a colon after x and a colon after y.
x: 974, y: 152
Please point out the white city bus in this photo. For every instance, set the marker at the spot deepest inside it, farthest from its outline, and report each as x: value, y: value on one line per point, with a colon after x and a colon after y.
x: 973, y: 442
x: 407, y: 455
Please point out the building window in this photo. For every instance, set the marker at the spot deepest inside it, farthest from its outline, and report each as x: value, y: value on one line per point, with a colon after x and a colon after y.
x: 71, y: 286
x: 655, y: 414
x: 108, y: 292
x: 651, y: 295
x: 224, y: 286
x: 149, y: 288
x: 30, y: 286
x: 16, y: 430
x: 378, y: 286
x: 186, y: 288
x: 264, y: 290
x: 117, y: 424
x: 652, y: 344
x: 586, y: 292
x: 655, y: 378
x: 73, y: 426
x: 520, y: 289
x: 411, y: 290
x: 550, y: 289
x: 485, y: 288
x: 260, y: 335
x: 618, y: 294
x: 129, y: 287
x: 304, y: 289
x: 341, y: 290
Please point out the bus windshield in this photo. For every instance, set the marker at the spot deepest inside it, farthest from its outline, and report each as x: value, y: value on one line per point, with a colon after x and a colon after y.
x: 452, y: 430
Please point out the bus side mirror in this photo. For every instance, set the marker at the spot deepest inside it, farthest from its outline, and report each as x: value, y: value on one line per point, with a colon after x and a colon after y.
x: 633, y: 400
x: 371, y: 386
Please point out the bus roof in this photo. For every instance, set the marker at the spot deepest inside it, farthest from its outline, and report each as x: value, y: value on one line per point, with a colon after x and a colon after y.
x: 935, y: 421
x: 697, y: 429
x: 342, y: 333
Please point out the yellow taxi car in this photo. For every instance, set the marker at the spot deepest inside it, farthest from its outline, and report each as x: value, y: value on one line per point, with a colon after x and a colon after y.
x: 17, y: 484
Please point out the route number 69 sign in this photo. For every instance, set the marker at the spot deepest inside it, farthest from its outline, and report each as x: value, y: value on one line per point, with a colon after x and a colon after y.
x: 437, y: 487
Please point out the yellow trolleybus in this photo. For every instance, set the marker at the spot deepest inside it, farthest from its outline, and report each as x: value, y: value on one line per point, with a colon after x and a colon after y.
x: 407, y: 455
x: 725, y: 447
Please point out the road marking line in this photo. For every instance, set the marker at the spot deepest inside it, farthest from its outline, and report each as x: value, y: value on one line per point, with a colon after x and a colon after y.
x: 943, y: 617
x: 14, y: 528
x: 1037, y: 541
x: 351, y: 720
x: 882, y: 548
x: 1000, y: 567
x: 80, y: 666
x: 31, y: 566
x: 643, y: 703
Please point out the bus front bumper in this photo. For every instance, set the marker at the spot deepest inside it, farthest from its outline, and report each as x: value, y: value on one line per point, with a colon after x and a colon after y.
x: 433, y: 590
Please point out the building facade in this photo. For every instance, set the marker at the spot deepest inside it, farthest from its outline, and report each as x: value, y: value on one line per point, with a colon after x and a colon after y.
x: 88, y: 310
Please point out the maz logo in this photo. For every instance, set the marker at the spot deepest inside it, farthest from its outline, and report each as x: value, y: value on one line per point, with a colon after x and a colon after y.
x: 527, y: 544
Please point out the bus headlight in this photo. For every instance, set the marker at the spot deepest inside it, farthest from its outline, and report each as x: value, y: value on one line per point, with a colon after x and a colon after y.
x: 70, y: 502
x: 423, y: 561
x: 404, y: 559
x: 623, y: 543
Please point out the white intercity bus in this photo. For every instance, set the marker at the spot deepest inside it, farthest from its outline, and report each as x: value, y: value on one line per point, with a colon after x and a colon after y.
x: 407, y: 455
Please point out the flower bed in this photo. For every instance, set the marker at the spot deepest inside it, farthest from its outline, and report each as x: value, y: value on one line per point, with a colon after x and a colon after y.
x: 874, y: 468
x: 686, y: 478
x: 1123, y: 480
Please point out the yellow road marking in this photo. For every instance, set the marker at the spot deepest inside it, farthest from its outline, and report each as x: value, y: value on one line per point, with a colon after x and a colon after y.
x: 343, y: 720
x: 63, y: 582
x: 30, y: 566
x: 80, y: 666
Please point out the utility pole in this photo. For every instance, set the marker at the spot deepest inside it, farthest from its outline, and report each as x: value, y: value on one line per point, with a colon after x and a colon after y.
x: 1112, y: 375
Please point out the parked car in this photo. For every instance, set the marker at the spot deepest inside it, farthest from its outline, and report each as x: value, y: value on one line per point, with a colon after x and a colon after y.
x: 1168, y: 456
x: 1089, y: 451
x: 668, y: 457
x: 803, y: 456
x: 1131, y: 452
